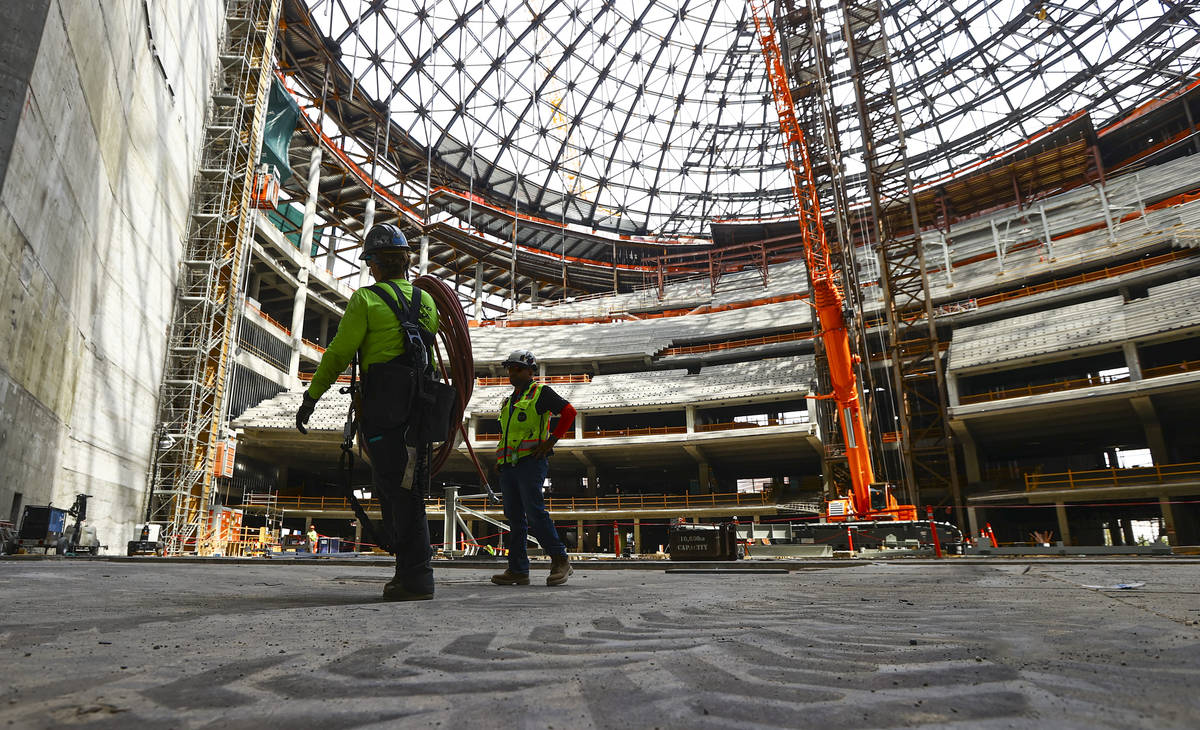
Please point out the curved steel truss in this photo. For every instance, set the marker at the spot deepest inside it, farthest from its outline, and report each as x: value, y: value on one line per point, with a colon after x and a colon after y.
x: 653, y: 118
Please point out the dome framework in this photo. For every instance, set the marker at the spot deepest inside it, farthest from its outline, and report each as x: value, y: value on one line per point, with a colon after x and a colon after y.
x: 654, y: 118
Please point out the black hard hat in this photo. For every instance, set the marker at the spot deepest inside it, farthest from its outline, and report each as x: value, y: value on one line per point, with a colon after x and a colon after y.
x: 521, y: 359
x: 384, y: 237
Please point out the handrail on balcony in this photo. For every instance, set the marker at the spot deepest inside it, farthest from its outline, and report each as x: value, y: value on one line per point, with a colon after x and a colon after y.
x: 648, y: 431
x: 1186, y: 366
x: 554, y: 504
x: 1114, y: 477
x: 547, y: 379
x: 1077, y: 383
x: 732, y: 425
x: 1026, y: 390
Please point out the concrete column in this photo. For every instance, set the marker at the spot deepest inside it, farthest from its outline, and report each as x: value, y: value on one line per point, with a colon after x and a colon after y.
x: 364, y: 274
x: 1064, y: 527
x: 814, y: 416
x: 972, y: 522
x: 1155, y: 439
x: 423, y: 257
x: 1132, y: 361
x: 310, y: 203
x: 637, y: 535
x: 358, y: 536
x: 324, y: 334
x: 691, y: 419
x: 298, y: 305
x: 579, y: 537
x: 593, y: 476
x: 1113, y: 530
x: 970, y: 451
x: 1168, y: 518
x: 579, y: 419
x: 541, y: 369
x: 1127, y: 531
x: 472, y: 428
x: 533, y: 292
x: 331, y: 254
x: 952, y: 389
x: 479, y: 290
x: 255, y: 285
x: 705, y: 478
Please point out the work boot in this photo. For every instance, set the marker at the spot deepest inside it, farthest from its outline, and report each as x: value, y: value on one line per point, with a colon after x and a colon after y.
x: 411, y: 583
x: 509, y: 578
x: 560, y: 570
x: 394, y: 590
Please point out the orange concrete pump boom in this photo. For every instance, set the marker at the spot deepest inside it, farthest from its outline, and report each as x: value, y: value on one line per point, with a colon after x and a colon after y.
x: 826, y: 296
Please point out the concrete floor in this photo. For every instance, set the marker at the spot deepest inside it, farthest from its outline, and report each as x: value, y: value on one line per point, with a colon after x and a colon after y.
x: 959, y: 643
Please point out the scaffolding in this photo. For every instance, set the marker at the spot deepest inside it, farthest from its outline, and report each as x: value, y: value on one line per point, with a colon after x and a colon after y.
x: 917, y: 369
x: 192, y: 407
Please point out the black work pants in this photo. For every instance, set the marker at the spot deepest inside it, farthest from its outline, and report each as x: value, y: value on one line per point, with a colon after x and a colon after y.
x: 403, y: 509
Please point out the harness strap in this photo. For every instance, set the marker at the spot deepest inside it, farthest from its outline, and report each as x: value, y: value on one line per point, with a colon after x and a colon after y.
x: 347, y: 462
x: 408, y: 318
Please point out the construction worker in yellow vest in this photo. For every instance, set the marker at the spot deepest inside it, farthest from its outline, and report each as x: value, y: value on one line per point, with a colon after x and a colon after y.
x: 522, y: 458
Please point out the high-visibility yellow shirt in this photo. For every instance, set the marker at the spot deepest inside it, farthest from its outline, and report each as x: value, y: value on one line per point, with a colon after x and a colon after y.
x: 369, y: 326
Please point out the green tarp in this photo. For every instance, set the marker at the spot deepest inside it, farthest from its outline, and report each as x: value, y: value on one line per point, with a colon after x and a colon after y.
x: 288, y: 219
x: 282, y: 115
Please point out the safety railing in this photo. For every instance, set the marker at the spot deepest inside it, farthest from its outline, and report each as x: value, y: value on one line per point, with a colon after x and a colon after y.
x: 298, y: 503
x: 250, y: 308
x: 732, y: 425
x: 1185, y: 366
x: 665, y: 430
x: 1106, y: 273
x: 734, y: 344
x: 545, y: 379
x: 1131, y: 477
x: 648, y: 431
x: 307, y: 377
x: 1024, y: 390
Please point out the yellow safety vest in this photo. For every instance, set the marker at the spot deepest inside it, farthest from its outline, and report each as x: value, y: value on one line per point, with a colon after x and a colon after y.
x: 522, y: 427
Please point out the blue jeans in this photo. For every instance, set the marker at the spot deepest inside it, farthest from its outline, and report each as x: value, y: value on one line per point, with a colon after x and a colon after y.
x: 526, y: 512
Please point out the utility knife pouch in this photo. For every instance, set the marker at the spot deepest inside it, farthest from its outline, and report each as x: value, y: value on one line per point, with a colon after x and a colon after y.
x: 389, y: 389
x: 435, y: 404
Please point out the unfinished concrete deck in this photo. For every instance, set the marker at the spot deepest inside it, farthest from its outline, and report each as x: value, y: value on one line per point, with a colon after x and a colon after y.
x: 961, y: 643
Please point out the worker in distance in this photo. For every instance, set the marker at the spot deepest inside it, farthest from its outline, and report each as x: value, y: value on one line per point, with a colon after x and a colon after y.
x: 392, y: 339
x: 522, y: 458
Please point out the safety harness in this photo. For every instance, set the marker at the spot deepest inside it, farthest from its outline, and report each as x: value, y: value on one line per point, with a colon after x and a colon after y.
x: 417, y: 354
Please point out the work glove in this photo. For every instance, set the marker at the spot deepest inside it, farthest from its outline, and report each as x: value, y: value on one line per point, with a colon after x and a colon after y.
x: 305, y: 412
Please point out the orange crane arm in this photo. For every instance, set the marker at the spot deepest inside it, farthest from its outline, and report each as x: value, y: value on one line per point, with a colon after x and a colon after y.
x: 826, y: 296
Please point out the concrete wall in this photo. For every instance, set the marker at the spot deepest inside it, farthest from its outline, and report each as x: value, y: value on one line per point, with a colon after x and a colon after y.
x: 93, y: 210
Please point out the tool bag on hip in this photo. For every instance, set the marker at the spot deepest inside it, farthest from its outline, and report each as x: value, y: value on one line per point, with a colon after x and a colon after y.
x: 403, y: 390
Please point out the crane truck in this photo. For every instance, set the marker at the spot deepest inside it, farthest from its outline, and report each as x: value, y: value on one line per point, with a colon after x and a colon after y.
x: 871, y: 508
